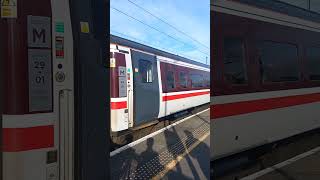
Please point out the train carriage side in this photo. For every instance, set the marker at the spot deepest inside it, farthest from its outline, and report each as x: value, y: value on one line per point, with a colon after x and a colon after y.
x: 146, y: 86
x: 266, y: 82
x: 183, y: 86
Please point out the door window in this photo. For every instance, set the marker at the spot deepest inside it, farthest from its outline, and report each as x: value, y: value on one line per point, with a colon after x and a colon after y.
x: 146, y: 71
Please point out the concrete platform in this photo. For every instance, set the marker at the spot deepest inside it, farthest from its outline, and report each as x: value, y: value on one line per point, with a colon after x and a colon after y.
x: 302, y: 167
x: 180, y: 152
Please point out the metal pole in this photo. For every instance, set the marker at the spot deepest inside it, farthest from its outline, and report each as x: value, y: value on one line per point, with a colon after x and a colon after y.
x: 1, y: 91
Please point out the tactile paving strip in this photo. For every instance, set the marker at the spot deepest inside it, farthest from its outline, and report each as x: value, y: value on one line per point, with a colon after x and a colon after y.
x: 156, y: 164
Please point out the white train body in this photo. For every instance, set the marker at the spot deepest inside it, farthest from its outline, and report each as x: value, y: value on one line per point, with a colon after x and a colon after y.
x: 269, y: 100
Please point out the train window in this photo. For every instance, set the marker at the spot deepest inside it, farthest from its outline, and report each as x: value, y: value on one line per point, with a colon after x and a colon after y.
x: 207, y: 80
x: 145, y: 68
x: 313, y: 63
x: 170, y: 80
x: 183, y: 79
x: 315, y: 5
x: 234, y: 66
x: 278, y: 62
x: 299, y: 3
x: 196, y: 80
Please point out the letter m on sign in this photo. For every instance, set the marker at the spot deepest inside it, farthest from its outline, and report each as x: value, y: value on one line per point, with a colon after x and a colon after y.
x: 39, y: 35
x: 39, y: 32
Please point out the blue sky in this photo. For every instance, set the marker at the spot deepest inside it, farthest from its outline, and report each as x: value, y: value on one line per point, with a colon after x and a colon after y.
x: 190, y: 16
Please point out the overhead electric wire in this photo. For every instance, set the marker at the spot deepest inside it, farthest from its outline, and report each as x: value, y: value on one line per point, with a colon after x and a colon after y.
x: 154, y: 28
x: 161, y: 48
x: 140, y: 7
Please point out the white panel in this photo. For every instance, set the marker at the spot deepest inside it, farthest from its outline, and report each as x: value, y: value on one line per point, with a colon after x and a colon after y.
x: 26, y: 165
x: 177, y: 105
x: 119, y: 120
x: 262, y: 95
x: 262, y: 127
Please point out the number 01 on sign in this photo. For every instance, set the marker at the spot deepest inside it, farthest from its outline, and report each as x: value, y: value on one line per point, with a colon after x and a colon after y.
x: 9, y: 9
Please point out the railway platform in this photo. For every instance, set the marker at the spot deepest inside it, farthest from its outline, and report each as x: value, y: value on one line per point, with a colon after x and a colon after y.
x: 301, y: 167
x: 179, y: 151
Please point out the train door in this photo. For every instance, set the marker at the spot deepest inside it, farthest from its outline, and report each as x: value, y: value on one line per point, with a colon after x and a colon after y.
x: 38, y: 115
x: 146, y: 87
x: 121, y: 88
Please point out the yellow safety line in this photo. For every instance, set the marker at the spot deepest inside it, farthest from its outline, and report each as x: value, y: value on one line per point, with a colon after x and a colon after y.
x: 174, y: 162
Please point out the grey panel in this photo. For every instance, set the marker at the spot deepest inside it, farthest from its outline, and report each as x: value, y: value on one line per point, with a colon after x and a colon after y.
x: 122, y: 86
x: 39, y: 31
x: 146, y: 95
x: 40, y: 80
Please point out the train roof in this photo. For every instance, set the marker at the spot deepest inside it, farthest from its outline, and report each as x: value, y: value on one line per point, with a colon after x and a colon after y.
x: 125, y: 42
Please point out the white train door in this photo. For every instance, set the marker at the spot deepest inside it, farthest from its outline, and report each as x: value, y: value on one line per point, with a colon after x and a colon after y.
x: 37, y: 124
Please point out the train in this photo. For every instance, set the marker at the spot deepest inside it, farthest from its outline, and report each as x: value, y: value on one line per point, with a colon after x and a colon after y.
x: 148, y: 84
x: 265, y: 74
x: 54, y: 86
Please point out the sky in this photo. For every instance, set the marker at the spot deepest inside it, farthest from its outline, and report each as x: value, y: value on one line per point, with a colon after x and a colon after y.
x: 189, y: 16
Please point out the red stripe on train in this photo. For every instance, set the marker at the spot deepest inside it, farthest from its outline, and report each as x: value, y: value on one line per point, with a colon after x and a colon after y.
x: 180, y: 96
x: 119, y: 105
x: 245, y: 107
x: 24, y: 139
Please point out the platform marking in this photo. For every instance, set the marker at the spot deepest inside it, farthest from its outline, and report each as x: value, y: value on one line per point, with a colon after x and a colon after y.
x: 174, y: 162
x: 117, y: 151
x: 282, y: 164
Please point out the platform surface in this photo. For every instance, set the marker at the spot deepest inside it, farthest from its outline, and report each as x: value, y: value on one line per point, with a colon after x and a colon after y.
x: 305, y: 166
x: 180, y: 152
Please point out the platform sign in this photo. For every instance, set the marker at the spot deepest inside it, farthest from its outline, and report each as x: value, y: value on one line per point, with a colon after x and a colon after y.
x: 9, y: 9
x: 39, y: 32
x: 40, y: 80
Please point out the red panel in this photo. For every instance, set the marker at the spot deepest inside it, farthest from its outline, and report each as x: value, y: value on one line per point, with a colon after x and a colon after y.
x: 244, y: 107
x: 253, y: 31
x: 114, y: 78
x: 119, y: 105
x: 15, y: 55
x: 23, y: 139
x: 180, y: 96
x: 164, y: 67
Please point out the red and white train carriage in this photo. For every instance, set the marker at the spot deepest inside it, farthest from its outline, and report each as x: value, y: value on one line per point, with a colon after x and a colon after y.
x: 265, y: 75
x: 47, y: 72
x: 147, y: 84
